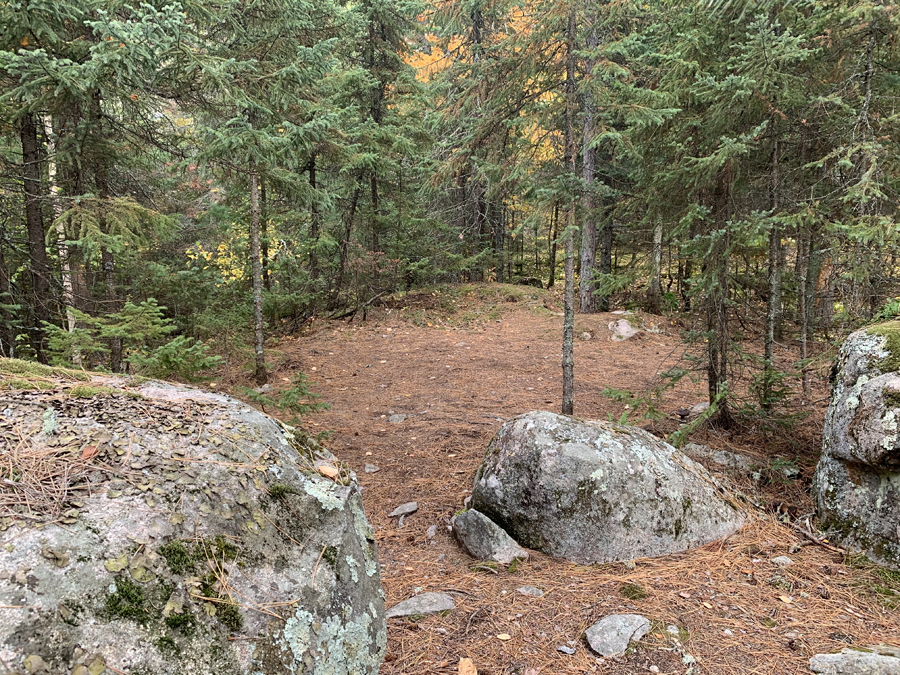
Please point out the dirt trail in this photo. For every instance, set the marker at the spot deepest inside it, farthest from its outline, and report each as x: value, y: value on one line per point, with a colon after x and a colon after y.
x: 456, y: 375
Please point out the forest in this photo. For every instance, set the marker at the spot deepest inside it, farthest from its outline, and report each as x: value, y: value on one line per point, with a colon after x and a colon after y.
x: 183, y: 180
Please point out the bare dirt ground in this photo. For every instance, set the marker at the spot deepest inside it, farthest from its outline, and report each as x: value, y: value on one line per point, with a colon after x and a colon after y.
x: 458, y: 361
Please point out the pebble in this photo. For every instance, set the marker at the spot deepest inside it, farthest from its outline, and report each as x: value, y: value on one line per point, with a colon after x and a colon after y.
x: 531, y: 591
x: 371, y: 468
x: 565, y: 650
x: 782, y: 561
x: 404, y: 509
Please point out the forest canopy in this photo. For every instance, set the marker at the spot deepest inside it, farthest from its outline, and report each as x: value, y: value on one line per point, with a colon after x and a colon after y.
x: 182, y: 179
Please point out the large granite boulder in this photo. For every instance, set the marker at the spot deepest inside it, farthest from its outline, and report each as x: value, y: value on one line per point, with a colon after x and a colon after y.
x: 857, y: 481
x: 159, y: 529
x: 597, y: 492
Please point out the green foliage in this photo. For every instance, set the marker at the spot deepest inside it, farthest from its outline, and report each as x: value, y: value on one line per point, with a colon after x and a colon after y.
x: 297, y: 399
x: 182, y: 356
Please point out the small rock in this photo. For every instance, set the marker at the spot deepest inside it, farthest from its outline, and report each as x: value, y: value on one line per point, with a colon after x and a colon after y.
x: 482, y: 538
x: 653, y: 669
x: 431, y: 532
x: 672, y: 630
x: 426, y: 603
x: 265, y: 389
x: 404, y: 509
x: 585, y: 336
x: 397, y: 419
x: 727, y: 632
x: 622, y: 330
x: 530, y: 590
x: 781, y: 561
x: 566, y: 650
x: 371, y: 468
x: 875, y: 660
x: 612, y: 634
x: 35, y: 664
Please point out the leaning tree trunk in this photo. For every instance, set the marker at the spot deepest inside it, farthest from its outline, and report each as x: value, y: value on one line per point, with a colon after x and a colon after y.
x: 568, y: 349
x: 260, y: 374
x: 34, y: 220
x: 587, y: 301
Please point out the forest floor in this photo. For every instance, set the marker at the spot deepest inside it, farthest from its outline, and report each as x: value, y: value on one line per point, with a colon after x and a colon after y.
x: 460, y: 360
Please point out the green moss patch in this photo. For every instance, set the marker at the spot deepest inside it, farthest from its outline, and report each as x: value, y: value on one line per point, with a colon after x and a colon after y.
x: 128, y: 602
x: 30, y: 369
x: 633, y: 591
x: 890, y: 331
x: 88, y: 391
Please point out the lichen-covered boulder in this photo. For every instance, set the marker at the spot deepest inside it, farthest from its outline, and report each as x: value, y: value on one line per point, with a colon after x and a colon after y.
x: 857, y: 482
x: 597, y: 492
x: 159, y: 529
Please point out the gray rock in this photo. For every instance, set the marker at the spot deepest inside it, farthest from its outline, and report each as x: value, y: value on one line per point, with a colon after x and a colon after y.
x: 425, y: 603
x: 371, y: 468
x: 116, y: 583
x: 781, y: 561
x: 531, y: 590
x: 612, y: 634
x: 404, y: 509
x: 729, y: 460
x: 622, y: 330
x: 876, y: 660
x: 482, y: 538
x: 856, y: 487
x: 585, y: 336
x: 397, y: 419
x: 566, y: 650
x: 596, y: 492
x: 431, y: 532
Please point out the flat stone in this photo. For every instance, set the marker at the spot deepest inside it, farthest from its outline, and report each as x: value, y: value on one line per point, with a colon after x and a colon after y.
x: 612, y: 634
x: 431, y: 532
x: 482, y: 538
x: 781, y: 561
x: 397, y: 419
x: 566, y: 650
x: 530, y: 590
x: 425, y: 603
x: 404, y: 509
x: 875, y: 660
x: 371, y: 468
x: 729, y: 460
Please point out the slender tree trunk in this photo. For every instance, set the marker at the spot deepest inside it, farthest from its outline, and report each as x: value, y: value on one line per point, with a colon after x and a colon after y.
x: 606, y: 266
x: 554, y: 233
x: 34, y: 220
x: 260, y: 375
x: 587, y: 300
x: 7, y: 318
x: 717, y: 313
x: 264, y: 234
x: 373, y: 184
x: 802, y: 296
x: 654, y: 295
x: 107, y: 258
x: 568, y: 347
x: 345, y: 243
x: 773, y: 304
x: 313, y: 223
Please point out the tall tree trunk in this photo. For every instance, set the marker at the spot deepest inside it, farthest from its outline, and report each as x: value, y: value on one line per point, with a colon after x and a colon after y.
x: 107, y: 258
x: 264, y: 234
x: 554, y: 233
x: 568, y: 347
x: 773, y: 304
x: 373, y: 185
x: 34, y: 220
x: 606, y: 266
x: 802, y: 296
x: 717, y: 311
x: 260, y: 375
x: 7, y: 318
x: 345, y: 243
x: 654, y: 296
x: 313, y: 223
x: 62, y: 247
x: 587, y: 301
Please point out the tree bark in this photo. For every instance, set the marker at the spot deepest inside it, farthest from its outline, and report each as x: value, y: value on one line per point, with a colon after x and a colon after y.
x: 606, y: 247
x: 773, y: 304
x: 587, y: 301
x: 654, y: 296
x: 264, y: 234
x: 34, y: 220
x: 260, y: 375
x: 313, y: 223
x: 62, y: 247
x: 7, y: 318
x: 802, y: 273
x: 554, y: 233
x: 345, y: 244
x: 568, y: 347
